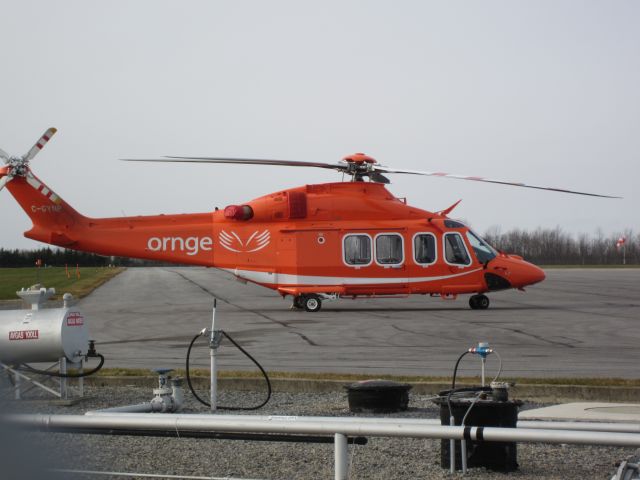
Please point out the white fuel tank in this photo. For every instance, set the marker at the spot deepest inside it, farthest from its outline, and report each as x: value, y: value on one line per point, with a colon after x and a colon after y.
x: 44, y: 335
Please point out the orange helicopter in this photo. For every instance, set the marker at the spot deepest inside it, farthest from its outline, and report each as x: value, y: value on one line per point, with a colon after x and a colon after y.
x: 314, y: 242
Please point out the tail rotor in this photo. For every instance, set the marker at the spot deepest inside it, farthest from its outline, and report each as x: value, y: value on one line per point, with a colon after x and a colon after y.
x: 19, y: 166
x: 46, y: 136
x: 4, y: 156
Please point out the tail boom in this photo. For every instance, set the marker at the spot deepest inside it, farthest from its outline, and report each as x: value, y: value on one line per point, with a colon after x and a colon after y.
x: 172, y: 238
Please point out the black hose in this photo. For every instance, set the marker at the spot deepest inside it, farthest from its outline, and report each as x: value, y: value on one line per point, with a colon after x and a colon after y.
x: 248, y: 355
x: 463, y: 389
x: 66, y: 375
x: 455, y: 391
x: 193, y: 340
x: 455, y: 370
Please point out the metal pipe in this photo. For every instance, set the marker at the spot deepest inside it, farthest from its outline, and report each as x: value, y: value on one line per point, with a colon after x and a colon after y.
x: 341, y: 456
x: 452, y: 449
x: 534, y: 424
x: 141, y: 475
x: 463, y: 456
x: 463, y: 443
x: 251, y: 437
x: 585, y: 426
x: 63, y: 380
x: 139, y: 408
x: 80, y: 379
x: 311, y: 425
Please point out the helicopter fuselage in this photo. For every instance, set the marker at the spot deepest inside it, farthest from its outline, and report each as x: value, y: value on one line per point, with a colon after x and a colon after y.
x: 347, y: 239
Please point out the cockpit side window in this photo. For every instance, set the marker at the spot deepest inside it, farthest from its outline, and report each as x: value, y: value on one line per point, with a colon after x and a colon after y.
x: 484, y: 252
x: 455, y: 251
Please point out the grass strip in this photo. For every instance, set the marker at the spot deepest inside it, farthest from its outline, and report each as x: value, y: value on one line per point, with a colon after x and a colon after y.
x: 79, y: 283
x: 351, y: 377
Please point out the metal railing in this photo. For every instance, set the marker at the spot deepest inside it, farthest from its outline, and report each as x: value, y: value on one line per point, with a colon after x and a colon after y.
x: 340, y: 428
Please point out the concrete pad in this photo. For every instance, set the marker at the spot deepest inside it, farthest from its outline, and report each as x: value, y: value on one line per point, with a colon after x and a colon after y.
x: 587, y: 412
x: 577, y: 323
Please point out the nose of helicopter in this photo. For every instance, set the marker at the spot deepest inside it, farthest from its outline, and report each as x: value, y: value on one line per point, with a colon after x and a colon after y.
x: 516, y: 271
x: 531, y: 273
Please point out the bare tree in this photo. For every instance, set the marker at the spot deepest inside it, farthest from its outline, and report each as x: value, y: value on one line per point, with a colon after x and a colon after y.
x: 552, y: 246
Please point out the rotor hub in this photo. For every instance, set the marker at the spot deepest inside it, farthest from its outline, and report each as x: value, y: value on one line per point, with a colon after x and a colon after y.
x: 359, y: 159
x: 18, y: 166
x: 359, y: 165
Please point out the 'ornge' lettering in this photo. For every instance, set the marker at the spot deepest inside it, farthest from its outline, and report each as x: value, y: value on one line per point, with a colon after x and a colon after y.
x: 190, y: 245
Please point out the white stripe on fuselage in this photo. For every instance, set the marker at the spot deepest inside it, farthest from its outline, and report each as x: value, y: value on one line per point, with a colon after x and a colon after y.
x: 286, y: 279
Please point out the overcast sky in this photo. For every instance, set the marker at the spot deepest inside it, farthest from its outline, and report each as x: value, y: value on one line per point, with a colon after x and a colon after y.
x: 544, y: 92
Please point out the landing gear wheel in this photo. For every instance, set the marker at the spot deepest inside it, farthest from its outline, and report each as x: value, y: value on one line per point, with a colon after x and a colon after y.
x: 298, y: 302
x: 312, y: 302
x: 479, y: 302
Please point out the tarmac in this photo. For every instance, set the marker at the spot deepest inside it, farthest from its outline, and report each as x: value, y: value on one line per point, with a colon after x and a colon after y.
x: 577, y: 323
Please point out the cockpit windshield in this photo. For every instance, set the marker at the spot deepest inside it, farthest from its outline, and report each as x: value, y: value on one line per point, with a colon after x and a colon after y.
x: 484, y: 252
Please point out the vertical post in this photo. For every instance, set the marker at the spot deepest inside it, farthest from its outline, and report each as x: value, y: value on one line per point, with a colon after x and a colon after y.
x: 212, y: 354
x: 16, y: 386
x: 452, y: 447
x: 484, y: 363
x: 463, y: 455
x: 81, y: 379
x: 63, y: 381
x: 341, y: 456
x: 624, y: 254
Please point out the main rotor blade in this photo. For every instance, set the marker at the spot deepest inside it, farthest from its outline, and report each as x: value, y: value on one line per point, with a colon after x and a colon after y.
x: 246, y: 161
x: 381, y: 168
x: 40, y: 144
x: 5, y: 180
x: 378, y: 177
x: 4, y: 156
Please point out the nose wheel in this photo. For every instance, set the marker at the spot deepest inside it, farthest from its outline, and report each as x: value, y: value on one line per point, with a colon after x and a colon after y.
x: 479, y: 302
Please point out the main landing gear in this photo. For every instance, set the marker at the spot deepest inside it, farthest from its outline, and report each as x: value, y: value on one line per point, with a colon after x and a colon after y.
x: 479, y: 302
x: 310, y: 302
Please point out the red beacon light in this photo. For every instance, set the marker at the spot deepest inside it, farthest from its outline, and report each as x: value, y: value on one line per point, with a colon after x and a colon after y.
x: 238, y: 212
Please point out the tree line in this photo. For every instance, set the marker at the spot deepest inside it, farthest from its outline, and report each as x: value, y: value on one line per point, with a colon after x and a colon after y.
x: 542, y: 246
x: 59, y: 257
x: 545, y: 246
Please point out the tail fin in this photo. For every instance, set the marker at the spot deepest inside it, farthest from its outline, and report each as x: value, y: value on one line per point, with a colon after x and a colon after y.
x: 53, y: 218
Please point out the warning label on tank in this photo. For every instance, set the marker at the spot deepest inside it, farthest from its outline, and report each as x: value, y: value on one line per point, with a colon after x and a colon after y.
x: 24, y: 335
x: 75, y: 319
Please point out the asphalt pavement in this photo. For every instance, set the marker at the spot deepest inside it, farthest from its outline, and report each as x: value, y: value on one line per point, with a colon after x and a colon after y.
x: 577, y: 323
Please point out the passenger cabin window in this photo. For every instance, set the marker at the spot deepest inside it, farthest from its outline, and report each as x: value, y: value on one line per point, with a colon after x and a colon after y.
x: 424, y: 248
x: 357, y: 250
x: 455, y: 252
x: 389, y: 249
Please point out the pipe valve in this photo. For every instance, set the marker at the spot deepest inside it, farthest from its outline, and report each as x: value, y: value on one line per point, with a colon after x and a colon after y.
x: 482, y: 349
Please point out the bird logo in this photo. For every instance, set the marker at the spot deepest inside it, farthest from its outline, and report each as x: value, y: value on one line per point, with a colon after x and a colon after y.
x: 233, y: 242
